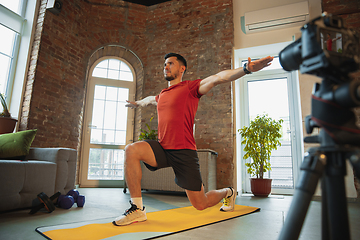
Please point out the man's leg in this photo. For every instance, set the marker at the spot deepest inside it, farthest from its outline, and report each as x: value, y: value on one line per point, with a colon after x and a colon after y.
x: 201, y: 200
x: 134, y: 153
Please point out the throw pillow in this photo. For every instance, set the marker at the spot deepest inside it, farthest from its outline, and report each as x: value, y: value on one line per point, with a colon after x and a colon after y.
x: 16, y: 145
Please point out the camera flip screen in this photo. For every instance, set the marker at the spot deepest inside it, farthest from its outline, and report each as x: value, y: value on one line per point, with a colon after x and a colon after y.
x: 331, y: 41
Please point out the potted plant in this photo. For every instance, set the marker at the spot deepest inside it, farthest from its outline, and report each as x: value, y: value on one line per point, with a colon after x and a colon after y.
x: 259, y: 139
x: 7, y: 123
x: 148, y: 135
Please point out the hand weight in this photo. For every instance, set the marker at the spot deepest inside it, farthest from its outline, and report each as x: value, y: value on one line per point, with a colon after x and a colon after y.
x: 73, y: 196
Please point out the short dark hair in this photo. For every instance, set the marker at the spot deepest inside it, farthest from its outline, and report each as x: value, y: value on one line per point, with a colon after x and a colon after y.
x: 179, y: 58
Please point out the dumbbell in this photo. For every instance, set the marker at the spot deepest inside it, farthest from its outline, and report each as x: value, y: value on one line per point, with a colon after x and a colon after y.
x: 68, y: 200
x: 79, y: 199
x: 46, y: 202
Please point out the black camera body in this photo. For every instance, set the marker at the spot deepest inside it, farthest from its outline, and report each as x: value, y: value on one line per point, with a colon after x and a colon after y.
x: 330, y: 51
x: 326, y: 48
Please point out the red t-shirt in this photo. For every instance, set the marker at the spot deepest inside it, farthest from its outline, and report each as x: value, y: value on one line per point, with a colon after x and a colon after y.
x: 329, y: 44
x: 177, y: 106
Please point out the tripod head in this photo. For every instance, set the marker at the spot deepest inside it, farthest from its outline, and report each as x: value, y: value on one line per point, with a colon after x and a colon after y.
x: 331, y: 52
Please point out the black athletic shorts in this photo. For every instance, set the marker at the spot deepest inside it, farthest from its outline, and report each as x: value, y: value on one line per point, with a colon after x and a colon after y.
x: 185, y: 163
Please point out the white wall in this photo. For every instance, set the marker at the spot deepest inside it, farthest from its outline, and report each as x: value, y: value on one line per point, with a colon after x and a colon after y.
x: 242, y: 40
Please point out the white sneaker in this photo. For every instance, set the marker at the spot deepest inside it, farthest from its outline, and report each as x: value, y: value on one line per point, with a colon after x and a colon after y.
x: 229, y: 202
x: 132, y: 215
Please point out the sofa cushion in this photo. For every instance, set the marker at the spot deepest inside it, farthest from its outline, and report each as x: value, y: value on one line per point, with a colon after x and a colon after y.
x: 16, y: 145
x: 39, y: 177
x: 12, y: 179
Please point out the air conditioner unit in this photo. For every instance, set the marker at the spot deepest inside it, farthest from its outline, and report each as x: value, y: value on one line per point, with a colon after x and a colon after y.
x: 291, y: 15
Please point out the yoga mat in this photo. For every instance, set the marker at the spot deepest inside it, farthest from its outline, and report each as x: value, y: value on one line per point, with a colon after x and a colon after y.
x: 158, y: 224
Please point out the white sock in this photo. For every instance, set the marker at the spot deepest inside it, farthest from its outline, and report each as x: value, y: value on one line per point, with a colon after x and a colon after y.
x: 229, y: 193
x: 138, y: 202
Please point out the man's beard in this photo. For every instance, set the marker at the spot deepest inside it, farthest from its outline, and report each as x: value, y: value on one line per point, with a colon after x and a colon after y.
x: 170, y: 77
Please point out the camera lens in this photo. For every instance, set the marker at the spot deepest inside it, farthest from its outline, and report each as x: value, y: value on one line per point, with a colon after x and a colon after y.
x: 290, y: 57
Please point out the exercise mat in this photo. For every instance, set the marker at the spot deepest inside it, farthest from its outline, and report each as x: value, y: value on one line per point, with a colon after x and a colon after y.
x: 158, y: 224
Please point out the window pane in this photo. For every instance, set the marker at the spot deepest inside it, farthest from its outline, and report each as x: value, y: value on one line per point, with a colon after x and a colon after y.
x: 4, y: 72
x: 108, y: 137
x: 123, y: 94
x: 99, y: 92
x: 98, y: 111
x: 114, y: 64
x: 113, y: 69
x: 7, y: 40
x: 263, y: 100
x: 110, y: 114
x: 113, y: 74
x: 100, y: 72
x: 13, y: 5
x: 106, y: 164
x: 103, y: 64
x: 125, y: 67
x: 120, y: 137
x: 121, y: 118
x: 96, y: 136
x: 111, y: 93
x: 126, y: 76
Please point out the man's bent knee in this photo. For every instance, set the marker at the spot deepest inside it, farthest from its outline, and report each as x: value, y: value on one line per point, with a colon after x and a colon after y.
x: 140, y: 151
x: 200, y: 206
x: 133, y: 148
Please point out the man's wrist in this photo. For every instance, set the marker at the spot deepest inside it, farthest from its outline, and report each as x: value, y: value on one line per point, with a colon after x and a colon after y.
x: 246, y: 70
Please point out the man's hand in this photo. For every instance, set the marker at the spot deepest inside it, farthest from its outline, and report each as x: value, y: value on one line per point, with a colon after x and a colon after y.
x: 150, y: 100
x: 259, y: 64
x: 131, y: 104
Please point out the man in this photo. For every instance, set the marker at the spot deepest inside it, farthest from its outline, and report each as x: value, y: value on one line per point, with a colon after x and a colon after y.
x: 177, y: 106
x: 329, y: 42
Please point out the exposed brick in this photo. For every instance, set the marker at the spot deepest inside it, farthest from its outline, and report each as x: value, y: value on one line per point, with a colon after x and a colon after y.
x: 63, y: 50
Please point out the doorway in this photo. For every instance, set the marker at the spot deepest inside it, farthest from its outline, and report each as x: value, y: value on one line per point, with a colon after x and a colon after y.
x: 275, y: 92
x: 108, y: 123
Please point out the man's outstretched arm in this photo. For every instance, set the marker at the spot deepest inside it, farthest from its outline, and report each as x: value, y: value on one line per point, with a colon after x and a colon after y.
x: 230, y: 75
x: 150, y: 100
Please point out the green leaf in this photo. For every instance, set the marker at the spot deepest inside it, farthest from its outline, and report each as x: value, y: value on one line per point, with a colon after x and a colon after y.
x: 259, y: 139
x: 151, y: 134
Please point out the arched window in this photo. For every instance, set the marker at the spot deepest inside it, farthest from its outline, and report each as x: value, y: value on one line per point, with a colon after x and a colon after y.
x: 109, y: 123
x: 113, y: 69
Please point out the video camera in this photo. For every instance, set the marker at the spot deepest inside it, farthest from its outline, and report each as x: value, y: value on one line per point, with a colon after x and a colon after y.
x: 330, y: 51
x: 312, y: 55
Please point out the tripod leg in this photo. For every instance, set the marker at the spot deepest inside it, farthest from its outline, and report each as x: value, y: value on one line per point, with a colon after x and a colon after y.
x: 324, y: 212
x: 338, y: 221
x: 311, y: 170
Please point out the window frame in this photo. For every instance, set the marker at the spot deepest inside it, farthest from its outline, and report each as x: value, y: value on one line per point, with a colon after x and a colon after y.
x: 23, y: 24
x: 87, y: 124
x: 240, y: 93
x: 15, y: 23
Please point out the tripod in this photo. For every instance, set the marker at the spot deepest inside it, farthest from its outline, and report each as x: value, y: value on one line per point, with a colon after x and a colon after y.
x: 339, y: 140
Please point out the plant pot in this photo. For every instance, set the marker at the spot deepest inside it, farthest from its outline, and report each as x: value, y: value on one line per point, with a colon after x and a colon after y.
x: 7, y: 124
x: 260, y: 187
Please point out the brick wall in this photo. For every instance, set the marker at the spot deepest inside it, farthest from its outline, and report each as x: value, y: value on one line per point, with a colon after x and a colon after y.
x: 54, y: 99
x: 201, y: 31
x: 65, y: 45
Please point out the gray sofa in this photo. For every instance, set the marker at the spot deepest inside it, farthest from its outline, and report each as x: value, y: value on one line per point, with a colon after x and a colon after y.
x: 47, y: 170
